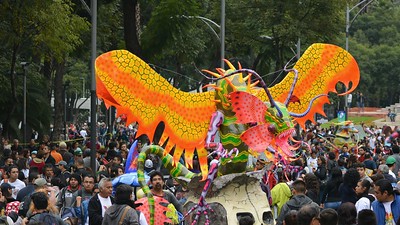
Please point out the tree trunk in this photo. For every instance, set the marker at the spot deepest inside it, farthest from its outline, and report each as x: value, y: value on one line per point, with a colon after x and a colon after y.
x: 14, y: 101
x: 58, y: 100
x: 131, y: 26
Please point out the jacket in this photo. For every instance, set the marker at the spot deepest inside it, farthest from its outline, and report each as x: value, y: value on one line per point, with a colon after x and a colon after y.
x: 95, y: 211
x: 114, y: 213
x: 280, y: 195
x: 295, y: 203
x: 37, y: 218
x: 380, y: 212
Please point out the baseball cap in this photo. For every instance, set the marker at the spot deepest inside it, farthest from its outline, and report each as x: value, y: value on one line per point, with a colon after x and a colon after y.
x: 34, y: 152
x: 62, y: 163
x: 390, y: 160
x: 40, y: 182
x: 5, y: 186
x: 78, y: 151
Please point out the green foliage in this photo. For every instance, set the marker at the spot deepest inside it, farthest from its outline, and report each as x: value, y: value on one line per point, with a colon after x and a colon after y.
x: 373, y: 42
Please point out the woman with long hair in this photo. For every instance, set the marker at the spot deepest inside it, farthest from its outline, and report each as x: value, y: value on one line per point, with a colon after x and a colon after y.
x: 346, y: 189
x: 312, y: 187
x: 364, y: 199
x: 331, y: 196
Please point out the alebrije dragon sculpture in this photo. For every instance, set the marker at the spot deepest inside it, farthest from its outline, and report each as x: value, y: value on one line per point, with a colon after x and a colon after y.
x: 344, y: 134
x: 236, y: 107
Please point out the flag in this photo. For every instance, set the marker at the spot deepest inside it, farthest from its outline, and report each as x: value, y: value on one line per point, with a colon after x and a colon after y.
x: 132, y: 159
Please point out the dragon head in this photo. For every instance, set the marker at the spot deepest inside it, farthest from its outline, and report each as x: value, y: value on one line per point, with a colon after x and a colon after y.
x: 280, y: 126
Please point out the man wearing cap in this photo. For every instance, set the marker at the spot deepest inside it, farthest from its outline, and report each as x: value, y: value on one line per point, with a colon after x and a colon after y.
x: 65, y: 174
x: 77, y: 155
x: 390, y: 162
x: 13, y: 173
x: 39, y: 184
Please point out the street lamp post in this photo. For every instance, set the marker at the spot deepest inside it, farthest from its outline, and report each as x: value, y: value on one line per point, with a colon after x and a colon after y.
x: 25, y: 67
x: 349, y: 22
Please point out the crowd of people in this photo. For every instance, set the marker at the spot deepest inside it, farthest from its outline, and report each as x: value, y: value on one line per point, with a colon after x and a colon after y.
x: 340, y: 185
x: 52, y: 182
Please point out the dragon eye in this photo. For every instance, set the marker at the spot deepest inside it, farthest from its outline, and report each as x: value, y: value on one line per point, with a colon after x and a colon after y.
x: 272, y: 128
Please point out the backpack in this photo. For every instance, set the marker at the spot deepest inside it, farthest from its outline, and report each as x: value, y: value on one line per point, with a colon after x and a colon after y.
x: 3, y: 220
x: 69, y: 215
x: 48, y: 219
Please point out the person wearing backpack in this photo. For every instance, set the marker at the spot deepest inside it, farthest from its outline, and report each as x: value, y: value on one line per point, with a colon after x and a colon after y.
x: 122, y: 211
x: 40, y: 213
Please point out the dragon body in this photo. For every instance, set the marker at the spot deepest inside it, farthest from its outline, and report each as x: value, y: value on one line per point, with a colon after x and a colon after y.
x: 343, y: 135
x: 236, y: 108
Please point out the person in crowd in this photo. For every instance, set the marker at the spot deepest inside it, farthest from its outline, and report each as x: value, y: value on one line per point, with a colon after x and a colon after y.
x: 308, y: 215
x: 391, y: 163
x: 387, y: 204
x: 48, y: 172
x: 290, y: 218
x: 280, y: 194
x: 48, y: 159
x: 298, y: 200
x: 312, y: 187
x: 66, y: 155
x: 361, y: 170
x: 246, y: 220
x: 321, y: 171
x: 30, y: 187
x: 88, y: 187
x: 361, y: 154
x: 312, y: 161
x: 123, y: 210
x: 328, y: 216
x: 37, y: 161
x: 347, y: 214
x: 80, y: 167
x: 13, y: 180
x: 347, y: 188
x: 366, y: 217
x: 364, y: 198
x: 100, y: 202
x: 330, y: 195
x: 23, y: 166
x: 54, y: 153
x: 396, y: 156
x: 40, y: 213
x: 157, y: 181
x: 384, y: 170
x: 64, y: 174
x: 332, y: 163
x: 67, y: 195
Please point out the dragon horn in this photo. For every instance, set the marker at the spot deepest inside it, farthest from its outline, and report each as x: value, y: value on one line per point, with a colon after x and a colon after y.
x: 229, y: 64
x: 212, y: 73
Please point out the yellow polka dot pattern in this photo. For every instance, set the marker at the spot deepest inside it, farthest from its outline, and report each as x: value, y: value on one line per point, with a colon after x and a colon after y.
x: 320, y: 68
x: 135, y: 89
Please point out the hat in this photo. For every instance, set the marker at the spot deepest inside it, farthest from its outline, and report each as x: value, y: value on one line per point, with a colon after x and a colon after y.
x: 78, y: 151
x: 62, y: 163
x: 390, y: 160
x: 148, y: 163
x: 34, y: 152
x: 5, y: 186
x: 40, y: 182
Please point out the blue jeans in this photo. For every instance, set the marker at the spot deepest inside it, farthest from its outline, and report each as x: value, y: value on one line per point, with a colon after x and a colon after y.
x: 332, y: 205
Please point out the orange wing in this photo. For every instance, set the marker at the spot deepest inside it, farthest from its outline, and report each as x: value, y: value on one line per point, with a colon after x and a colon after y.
x: 135, y: 89
x: 320, y: 68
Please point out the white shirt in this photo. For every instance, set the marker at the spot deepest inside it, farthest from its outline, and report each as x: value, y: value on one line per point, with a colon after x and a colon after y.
x: 389, y: 219
x: 142, y: 219
x: 105, y: 204
x: 18, y: 185
x: 363, y: 203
